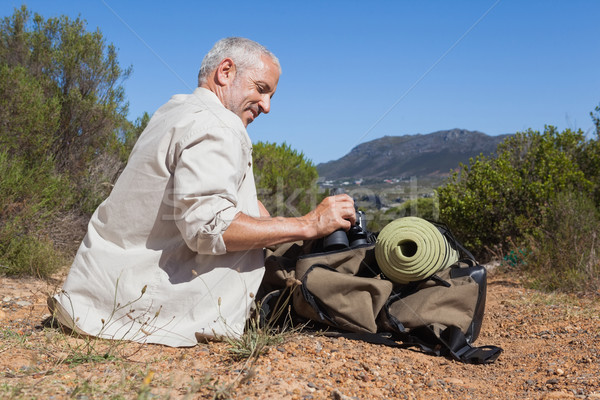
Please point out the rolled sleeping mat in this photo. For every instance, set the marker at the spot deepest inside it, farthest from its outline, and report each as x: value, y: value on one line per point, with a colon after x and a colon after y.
x: 411, y: 249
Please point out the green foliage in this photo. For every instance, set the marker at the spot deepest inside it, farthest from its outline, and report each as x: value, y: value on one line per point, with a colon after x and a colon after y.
x: 564, y: 252
x: 129, y: 136
x: 76, y: 69
x: 63, y: 135
x: 28, y: 254
x: 27, y: 115
x: 285, y: 180
x: 497, y: 201
x: 28, y: 199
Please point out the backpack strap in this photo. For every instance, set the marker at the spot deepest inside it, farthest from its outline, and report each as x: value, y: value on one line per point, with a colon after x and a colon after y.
x: 450, y: 342
x: 456, y: 345
x: 445, y: 231
x: 453, y: 344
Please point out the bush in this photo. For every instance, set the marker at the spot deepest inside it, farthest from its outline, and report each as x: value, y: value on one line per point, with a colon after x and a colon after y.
x: 29, y: 199
x: 286, y: 182
x: 564, y: 252
x: 498, y: 201
x: 27, y: 253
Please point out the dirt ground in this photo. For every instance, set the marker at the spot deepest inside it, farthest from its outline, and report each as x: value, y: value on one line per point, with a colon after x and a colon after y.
x: 551, y: 351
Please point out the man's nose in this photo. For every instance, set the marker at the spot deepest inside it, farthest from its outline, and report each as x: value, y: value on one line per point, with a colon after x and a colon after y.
x: 265, y: 104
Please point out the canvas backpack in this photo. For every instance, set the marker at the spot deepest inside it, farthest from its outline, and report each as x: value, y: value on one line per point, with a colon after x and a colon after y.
x: 345, y: 292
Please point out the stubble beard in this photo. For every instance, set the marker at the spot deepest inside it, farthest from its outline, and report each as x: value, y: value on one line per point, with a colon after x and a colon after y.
x: 234, y: 101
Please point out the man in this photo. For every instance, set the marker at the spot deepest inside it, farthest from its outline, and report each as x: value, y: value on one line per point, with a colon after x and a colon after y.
x: 175, y: 253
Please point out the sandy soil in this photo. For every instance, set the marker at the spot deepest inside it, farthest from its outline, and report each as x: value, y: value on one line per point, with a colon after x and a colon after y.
x: 551, y: 351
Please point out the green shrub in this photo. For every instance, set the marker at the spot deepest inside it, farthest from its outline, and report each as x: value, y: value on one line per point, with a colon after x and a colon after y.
x: 27, y: 253
x: 497, y: 201
x: 564, y: 252
x: 29, y: 199
x: 286, y: 182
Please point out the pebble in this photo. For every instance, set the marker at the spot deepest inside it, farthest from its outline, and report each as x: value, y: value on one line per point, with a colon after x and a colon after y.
x: 454, y: 381
x: 337, y: 395
x: 559, y: 395
x: 23, y: 303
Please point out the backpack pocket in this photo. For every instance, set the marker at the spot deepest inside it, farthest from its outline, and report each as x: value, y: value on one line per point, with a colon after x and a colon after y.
x: 341, y: 289
x: 452, y: 297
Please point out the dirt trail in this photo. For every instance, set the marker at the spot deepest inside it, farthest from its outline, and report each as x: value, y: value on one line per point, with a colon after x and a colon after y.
x: 551, y: 351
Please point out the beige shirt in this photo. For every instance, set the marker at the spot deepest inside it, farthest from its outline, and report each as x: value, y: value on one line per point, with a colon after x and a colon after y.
x: 153, y: 266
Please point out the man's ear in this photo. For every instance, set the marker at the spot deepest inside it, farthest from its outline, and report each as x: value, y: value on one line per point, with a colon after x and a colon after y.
x: 225, y: 72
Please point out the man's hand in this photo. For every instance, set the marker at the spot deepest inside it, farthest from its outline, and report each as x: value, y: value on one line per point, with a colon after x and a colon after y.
x: 333, y: 213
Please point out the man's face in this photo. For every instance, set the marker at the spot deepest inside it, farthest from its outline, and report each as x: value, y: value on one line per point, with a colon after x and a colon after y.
x: 250, y: 93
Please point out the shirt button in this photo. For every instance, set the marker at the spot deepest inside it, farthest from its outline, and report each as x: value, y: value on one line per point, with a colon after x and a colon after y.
x: 249, y: 163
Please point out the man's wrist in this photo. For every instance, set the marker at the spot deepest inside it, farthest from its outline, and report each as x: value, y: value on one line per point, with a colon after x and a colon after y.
x: 308, y: 228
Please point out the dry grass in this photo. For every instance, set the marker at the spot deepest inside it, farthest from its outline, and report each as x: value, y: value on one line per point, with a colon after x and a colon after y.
x: 39, y: 360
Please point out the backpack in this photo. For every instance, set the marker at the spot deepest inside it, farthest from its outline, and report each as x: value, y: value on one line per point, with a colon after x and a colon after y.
x: 345, y: 291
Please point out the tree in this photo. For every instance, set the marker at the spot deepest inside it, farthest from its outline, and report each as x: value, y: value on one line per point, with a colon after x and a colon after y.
x: 285, y: 180
x: 80, y: 71
x: 26, y: 115
x: 62, y: 112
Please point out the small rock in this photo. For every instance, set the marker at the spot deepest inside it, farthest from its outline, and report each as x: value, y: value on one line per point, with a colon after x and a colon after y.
x: 23, y: 303
x: 454, y: 381
x: 560, y: 372
x: 337, y: 395
x: 559, y: 395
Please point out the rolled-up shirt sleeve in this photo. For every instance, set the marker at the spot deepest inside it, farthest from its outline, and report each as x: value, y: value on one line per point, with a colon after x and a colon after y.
x: 207, y: 176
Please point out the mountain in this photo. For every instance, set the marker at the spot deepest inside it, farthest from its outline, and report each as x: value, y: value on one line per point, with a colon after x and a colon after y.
x: 433, y: 154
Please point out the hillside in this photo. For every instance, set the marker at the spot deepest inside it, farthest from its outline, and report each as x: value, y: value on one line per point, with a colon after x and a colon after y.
x: 433, y: 154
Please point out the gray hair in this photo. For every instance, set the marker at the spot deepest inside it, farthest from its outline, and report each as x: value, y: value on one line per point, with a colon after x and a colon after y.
x: 245, y: 53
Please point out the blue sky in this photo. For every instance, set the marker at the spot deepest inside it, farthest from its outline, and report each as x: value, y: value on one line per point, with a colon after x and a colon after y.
x: 356, y: 71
